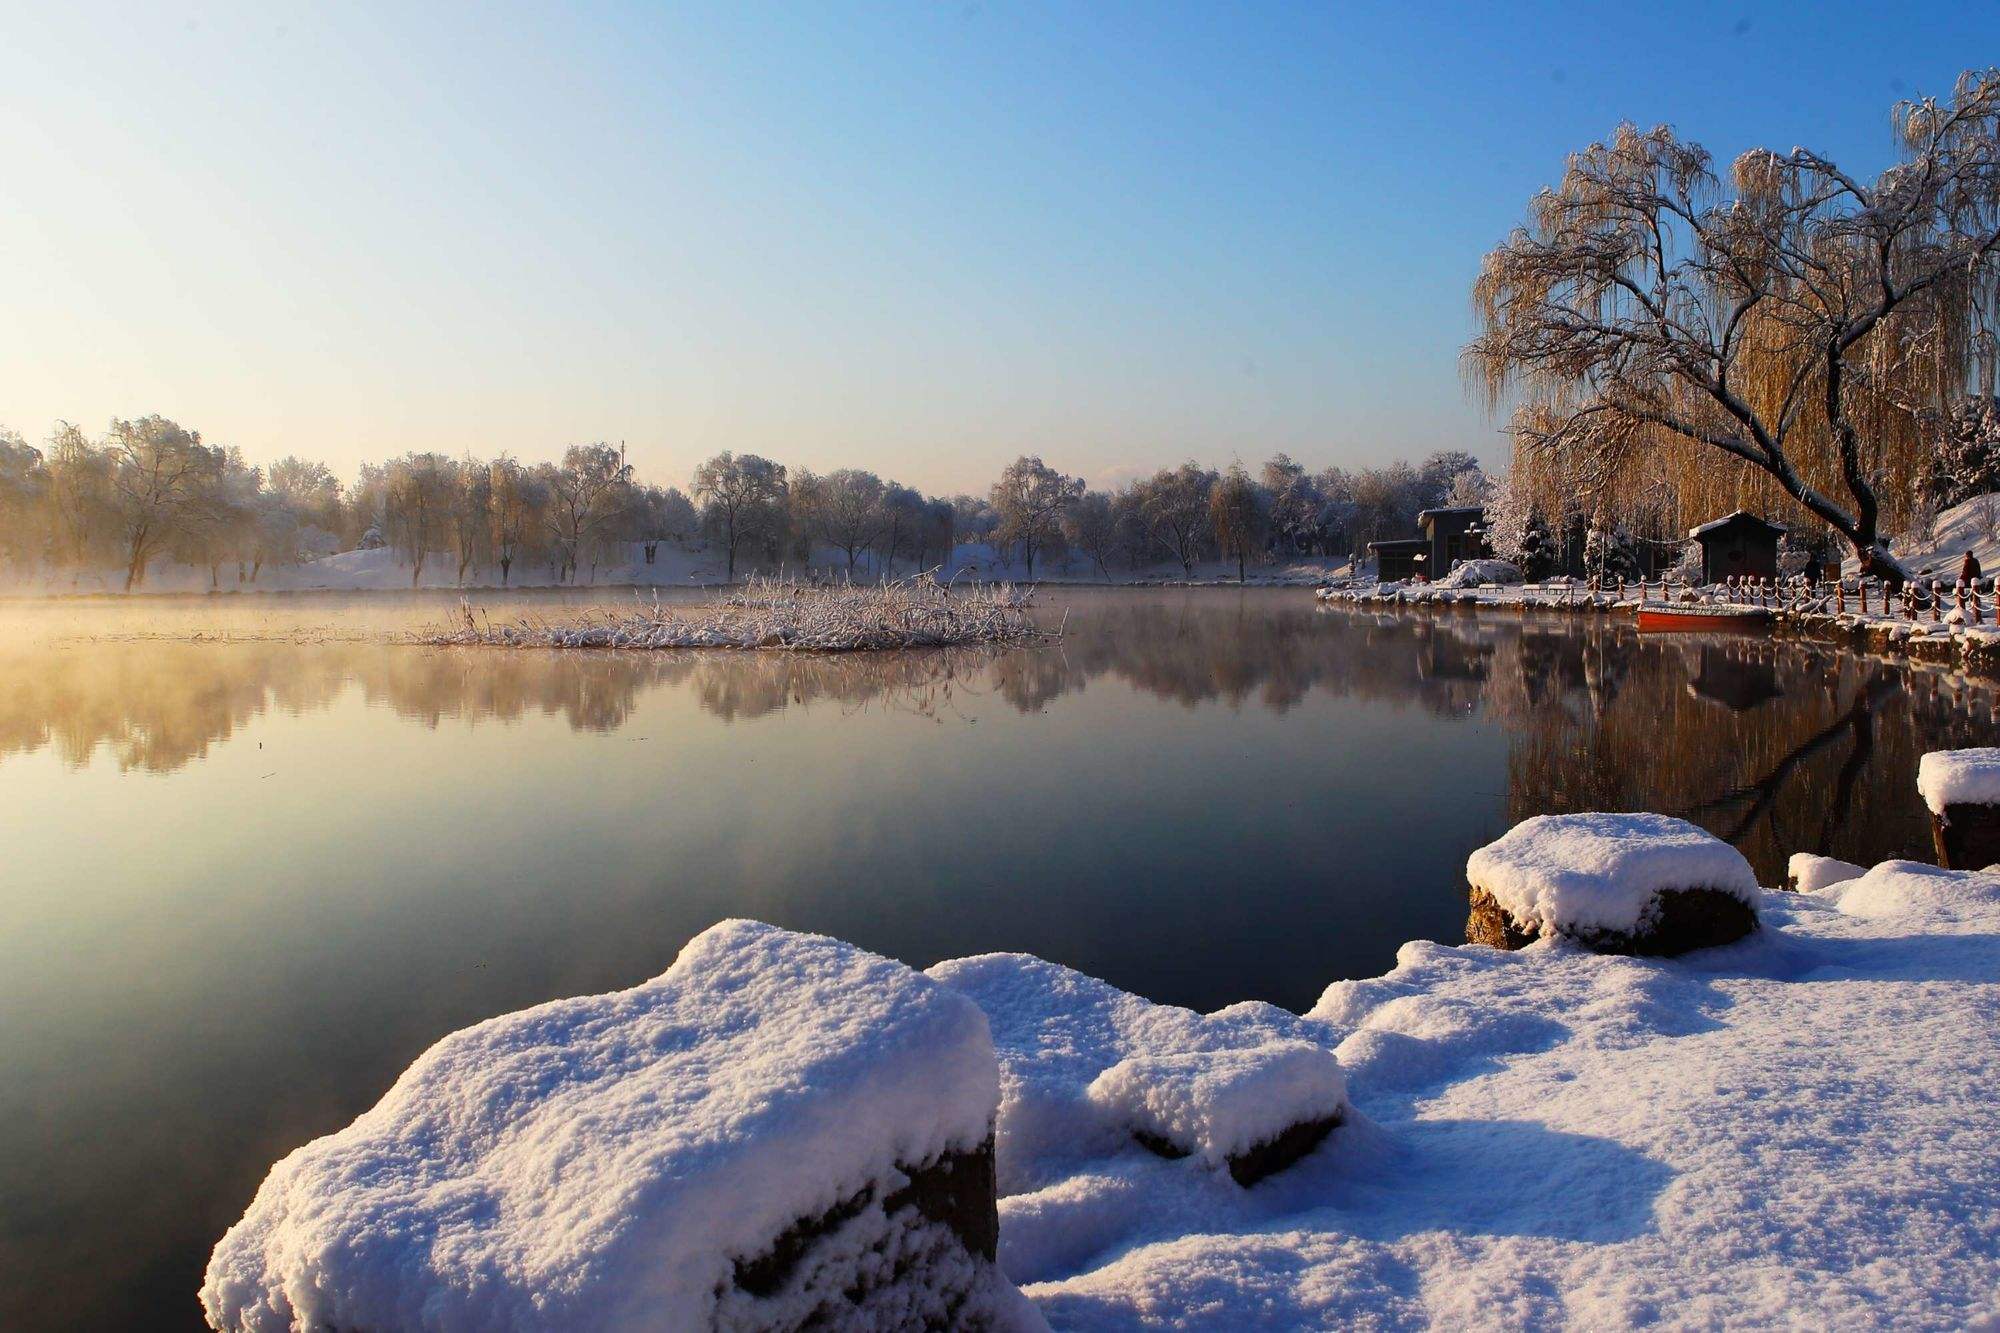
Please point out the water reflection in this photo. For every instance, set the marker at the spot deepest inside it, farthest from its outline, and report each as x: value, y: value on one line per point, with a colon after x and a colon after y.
x: 1777, y: 746
x: 1204, y: 796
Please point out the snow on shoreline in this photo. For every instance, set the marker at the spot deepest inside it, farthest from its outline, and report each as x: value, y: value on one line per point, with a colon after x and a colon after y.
x: 1796, y: 1130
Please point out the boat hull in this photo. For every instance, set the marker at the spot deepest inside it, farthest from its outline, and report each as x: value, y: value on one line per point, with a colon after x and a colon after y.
x: 1658, y: 620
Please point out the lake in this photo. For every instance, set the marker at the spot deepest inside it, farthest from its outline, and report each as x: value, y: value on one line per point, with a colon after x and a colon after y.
x: 251, y: 875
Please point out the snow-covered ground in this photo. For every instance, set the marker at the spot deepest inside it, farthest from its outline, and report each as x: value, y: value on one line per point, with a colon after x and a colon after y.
x: 1794, y: 1131
x: 1973, y: 525
x: 1797, y: 1131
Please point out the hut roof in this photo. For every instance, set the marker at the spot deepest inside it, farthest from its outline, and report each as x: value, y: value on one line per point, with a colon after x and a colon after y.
x: 1740, y: 517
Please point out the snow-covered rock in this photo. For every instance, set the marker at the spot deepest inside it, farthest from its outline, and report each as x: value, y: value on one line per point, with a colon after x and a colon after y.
x: 1622, y: 882
x: 779, y: 1128
x: 1959, y: 777
x: 1807, y: 873
x: 1233, y: 1108
x: 1059, y: 1034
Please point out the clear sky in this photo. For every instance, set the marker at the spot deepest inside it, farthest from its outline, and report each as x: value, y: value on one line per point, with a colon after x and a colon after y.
x: 917, y: 238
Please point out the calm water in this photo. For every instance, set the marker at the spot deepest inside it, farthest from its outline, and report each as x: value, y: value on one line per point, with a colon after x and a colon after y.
x: 248, y: 880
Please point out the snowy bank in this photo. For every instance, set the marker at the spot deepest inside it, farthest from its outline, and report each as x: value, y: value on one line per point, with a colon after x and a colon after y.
x: 1793, y: 1130
x: 779, y: 1128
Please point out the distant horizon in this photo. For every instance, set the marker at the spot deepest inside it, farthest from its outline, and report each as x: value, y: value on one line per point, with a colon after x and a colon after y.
x: 916, y: 241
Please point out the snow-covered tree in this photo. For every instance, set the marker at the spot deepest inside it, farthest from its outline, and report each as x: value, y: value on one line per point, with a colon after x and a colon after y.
x: 1175, y: 504
x: 1788, y: 323
x: 842, y: 509
x: 1031, y: 498
x: 1966, y: 457
x: 743, y: 498
x: 1237, y: 515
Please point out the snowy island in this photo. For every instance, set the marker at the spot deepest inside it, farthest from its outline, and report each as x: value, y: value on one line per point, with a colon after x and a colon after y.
x: 1793, y: 1129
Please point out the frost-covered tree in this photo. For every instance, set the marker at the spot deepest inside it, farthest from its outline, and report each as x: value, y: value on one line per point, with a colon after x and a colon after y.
x: 743, y: 497
x: 902, y: 510
x: 1030, y: 499
x: 83, y: 519
x: 1471, y: 488
x: 1174, y: 502
x: 1965, y: 460
x: 1091, y: 527
x: 471, y: 502
x: 1238, y: 516
x: 1516, y: 531
x: 515, y: 501
x: 1791, y: 323
x: 1437, y: 474
x: 417, y: 505
x: 160, y: 473
x: 1297, y: 505
x: 24, y: 484
x: 842, y: 509
x: 588, y: 495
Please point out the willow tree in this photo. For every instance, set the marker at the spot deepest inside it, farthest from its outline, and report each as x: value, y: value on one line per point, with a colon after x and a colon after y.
x: 1800, y: 322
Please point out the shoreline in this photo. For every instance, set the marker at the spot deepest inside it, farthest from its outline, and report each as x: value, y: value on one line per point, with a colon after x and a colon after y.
x: 1972, y: 648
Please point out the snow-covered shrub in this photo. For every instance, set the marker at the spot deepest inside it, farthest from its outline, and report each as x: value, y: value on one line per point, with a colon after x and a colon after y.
x: 918, y: 612
x: 780, y: 1130
x: 1480, y: 574
x: 1637, y: 883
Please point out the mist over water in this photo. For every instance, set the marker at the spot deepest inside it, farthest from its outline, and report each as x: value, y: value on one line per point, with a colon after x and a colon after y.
x: 253, y: 873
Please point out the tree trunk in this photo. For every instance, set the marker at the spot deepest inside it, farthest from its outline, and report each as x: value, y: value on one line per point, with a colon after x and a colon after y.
x: 506, y: 564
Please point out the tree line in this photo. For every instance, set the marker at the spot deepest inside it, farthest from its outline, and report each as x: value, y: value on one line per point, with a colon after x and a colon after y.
x: 150, y: 490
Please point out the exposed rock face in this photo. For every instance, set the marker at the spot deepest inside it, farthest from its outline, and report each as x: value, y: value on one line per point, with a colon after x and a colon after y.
x: 852, y: 1266
x: 1254, y: 1163
x: 1967, y: 836
x: 1693, y: 918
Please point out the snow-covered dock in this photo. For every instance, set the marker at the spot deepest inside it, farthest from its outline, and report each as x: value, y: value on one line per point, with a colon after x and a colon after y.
x: 1793, y: 1130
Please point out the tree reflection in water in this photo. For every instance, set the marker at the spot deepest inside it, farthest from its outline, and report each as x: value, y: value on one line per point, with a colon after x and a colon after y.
x: 1776, y: 746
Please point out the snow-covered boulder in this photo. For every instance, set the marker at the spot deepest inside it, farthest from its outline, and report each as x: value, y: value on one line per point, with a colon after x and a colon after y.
x: 1617, y: 883
x: 1480, y: 574
x: 781, y: 1129
x: 1084, y: 1067
x: 1962, y: 789
x: 1251, y: 1111
x: 1806, y: 873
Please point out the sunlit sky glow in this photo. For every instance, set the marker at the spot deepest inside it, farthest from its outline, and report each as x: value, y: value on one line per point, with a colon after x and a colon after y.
x: 921, y: 239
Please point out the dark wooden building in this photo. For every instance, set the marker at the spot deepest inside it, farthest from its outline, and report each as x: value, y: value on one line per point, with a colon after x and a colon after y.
x: 1401, y: 559
x: 1453, y: 534
x: 1738, y: 545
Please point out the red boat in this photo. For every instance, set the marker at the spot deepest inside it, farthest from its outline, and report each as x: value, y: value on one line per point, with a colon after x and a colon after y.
x: 1706, y: 617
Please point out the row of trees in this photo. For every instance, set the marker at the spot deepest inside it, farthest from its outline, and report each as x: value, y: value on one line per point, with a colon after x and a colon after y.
x: 151, y: 490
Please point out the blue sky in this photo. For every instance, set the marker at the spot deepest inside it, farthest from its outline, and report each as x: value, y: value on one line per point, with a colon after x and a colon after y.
x: 922, y: 239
